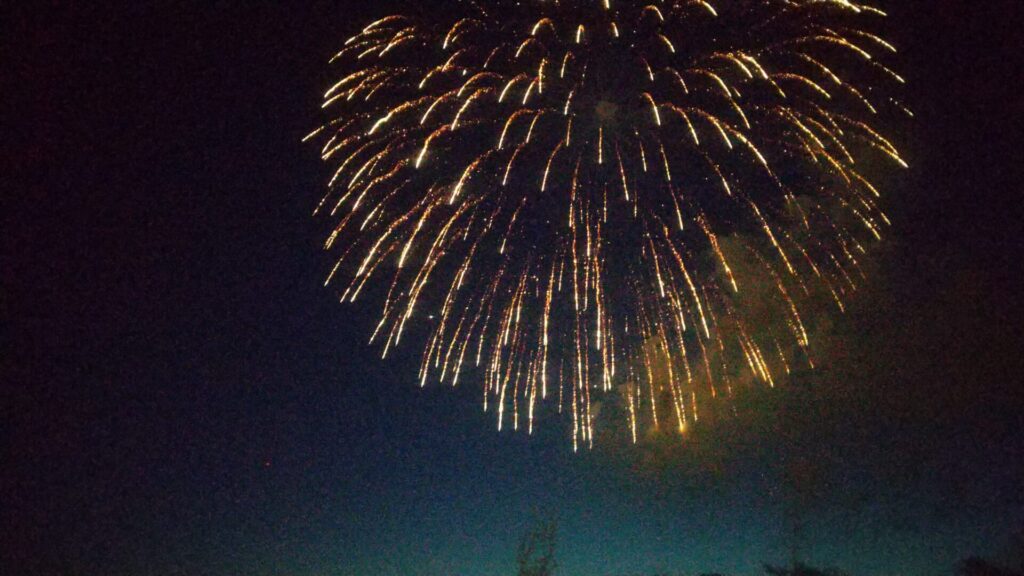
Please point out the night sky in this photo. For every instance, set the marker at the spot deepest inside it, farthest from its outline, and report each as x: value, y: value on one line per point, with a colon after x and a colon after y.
x: 182, y: 396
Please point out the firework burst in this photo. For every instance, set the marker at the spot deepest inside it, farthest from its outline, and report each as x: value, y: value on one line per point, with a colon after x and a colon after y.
x: 579, y: 200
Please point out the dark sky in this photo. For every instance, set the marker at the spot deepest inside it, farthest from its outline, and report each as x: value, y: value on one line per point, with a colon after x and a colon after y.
x: 181, y: 396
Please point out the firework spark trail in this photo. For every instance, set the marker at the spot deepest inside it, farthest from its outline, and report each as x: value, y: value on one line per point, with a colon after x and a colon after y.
x: 582, y: 185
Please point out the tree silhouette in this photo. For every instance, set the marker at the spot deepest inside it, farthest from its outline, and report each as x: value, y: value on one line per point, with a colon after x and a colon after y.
x: 536, y: 553
x: 976, y: 566
x: 800, y: 569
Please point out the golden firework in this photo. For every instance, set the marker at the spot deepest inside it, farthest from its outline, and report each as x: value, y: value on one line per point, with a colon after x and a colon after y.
x: 587, y: 199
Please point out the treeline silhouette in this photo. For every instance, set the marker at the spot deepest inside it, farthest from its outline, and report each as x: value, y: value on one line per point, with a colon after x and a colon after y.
x: 535, y: 556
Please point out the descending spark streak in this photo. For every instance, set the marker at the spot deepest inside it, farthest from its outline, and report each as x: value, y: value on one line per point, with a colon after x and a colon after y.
x: 476, y: 158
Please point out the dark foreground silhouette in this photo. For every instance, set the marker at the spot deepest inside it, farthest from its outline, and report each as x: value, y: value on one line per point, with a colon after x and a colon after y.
x: 535, y: 556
